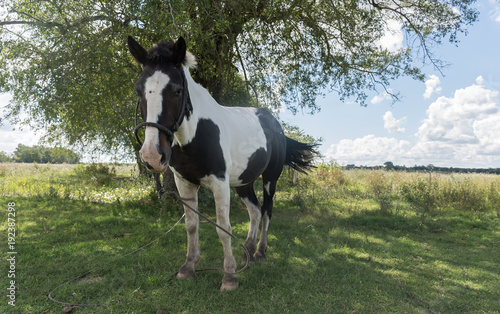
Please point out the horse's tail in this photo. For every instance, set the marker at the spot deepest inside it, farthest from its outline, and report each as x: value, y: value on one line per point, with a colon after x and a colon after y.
x: 300, y: 156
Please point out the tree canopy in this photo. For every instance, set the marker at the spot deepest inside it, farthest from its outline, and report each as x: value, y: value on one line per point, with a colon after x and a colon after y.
x: 41, y: 154
x: 66, y: 62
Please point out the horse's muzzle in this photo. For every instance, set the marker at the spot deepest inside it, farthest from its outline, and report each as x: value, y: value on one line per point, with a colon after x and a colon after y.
x: 155, y: 158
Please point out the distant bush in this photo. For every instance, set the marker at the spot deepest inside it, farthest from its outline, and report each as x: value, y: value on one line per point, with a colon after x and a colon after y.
x: 98, y: 173
x: 42, y: 154
x: 381, y: 187
x: 332, y: 174
x: 421, y: 192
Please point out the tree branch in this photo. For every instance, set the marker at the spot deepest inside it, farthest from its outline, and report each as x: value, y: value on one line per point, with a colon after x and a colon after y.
x: 423, y: 41
x: 62, y: 28
x: 46, y: 24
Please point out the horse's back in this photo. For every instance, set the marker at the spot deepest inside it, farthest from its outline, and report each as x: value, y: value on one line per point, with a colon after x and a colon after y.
x: 254, y: 140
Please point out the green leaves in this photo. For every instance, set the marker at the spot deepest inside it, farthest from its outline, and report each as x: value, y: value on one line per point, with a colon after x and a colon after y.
x: 67, y: 65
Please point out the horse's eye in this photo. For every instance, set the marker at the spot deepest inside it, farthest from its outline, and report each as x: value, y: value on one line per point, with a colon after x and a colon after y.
x: 178, y: 92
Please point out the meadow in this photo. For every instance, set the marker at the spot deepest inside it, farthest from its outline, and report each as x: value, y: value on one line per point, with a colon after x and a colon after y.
x: 340, y: 241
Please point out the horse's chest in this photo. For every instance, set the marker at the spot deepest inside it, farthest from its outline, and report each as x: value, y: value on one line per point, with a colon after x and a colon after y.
x: 202, y: 156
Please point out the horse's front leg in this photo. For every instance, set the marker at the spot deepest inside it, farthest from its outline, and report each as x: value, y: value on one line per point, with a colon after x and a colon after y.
x: 189, y: 192
x: 222, y: 196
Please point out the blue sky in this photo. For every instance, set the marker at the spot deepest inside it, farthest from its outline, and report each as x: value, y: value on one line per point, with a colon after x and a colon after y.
x: 453, y: 119
x: 450, y: 120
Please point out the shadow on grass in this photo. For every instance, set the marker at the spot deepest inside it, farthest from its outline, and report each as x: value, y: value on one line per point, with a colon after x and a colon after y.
x: 334, y: 260
x: 440, y: 262
x: 58, y: 239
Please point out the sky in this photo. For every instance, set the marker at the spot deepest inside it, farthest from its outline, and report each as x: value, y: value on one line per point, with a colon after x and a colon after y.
x: 450, y: 120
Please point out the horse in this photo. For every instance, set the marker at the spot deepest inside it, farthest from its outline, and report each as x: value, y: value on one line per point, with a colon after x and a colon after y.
x: 206, y: 144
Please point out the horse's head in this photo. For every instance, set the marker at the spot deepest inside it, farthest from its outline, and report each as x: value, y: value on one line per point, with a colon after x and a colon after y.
x: 163, y: 97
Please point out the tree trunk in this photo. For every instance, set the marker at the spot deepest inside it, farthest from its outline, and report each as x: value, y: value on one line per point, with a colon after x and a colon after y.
x: 295, y: 177
x: 168, y: 180
x: 143, y: 171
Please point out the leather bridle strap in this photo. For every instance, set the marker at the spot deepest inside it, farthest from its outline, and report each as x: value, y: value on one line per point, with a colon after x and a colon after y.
x: 169, y: 132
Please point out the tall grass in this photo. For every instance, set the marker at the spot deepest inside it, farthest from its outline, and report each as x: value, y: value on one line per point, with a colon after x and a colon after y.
x: 391, y: 190
x: 93, y: 182
x: 387, y: 190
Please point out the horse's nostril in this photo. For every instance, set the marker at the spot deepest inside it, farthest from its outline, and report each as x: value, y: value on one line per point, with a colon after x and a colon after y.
x: 163, y: 158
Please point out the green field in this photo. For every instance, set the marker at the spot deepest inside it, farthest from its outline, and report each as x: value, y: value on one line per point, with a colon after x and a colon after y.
x: 339, y: 241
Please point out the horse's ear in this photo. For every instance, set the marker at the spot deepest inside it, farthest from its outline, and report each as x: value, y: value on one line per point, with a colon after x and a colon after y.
x: 140, y: 54
x: 179, y: 50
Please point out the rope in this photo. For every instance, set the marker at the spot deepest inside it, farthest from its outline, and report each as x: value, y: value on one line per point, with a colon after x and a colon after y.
x: 180, y: 199
x: 85, y: 273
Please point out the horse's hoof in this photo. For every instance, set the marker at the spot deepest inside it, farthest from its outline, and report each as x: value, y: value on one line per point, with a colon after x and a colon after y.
x: 229, y: 283
x: 251, y: 259
x: 185, y: 273
x: 260, y: 257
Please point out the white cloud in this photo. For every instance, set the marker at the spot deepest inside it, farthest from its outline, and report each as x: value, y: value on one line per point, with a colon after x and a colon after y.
x: 392, y: 124
x: 495, y: 12
x: 459, y: 131
x: 368, y: 150
x: 10, y: 138
x: 432, y: 86
x: 451, y: 119
x: 380, y: 98
x: 464, y: 128
x: 393, y: 37
x: 488, y: 134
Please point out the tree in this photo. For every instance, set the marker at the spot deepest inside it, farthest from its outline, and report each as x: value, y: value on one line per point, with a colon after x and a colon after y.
x: 67, y: 65
x: 29, y: 154
x: 389, y: 165
x: 4, y: 157
x: 59, y: 155
x: 42, y: 154
x: 296, y: 133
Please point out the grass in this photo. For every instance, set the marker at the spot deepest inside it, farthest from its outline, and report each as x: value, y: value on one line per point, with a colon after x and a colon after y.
x: 340, y: 241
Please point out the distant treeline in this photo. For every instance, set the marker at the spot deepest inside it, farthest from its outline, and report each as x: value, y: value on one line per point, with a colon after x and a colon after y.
x: 429, y: 168
x: 41, y: 154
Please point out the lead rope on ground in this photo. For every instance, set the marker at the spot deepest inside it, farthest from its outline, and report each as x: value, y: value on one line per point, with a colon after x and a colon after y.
x: 177, y: 197
x: 85, y: 273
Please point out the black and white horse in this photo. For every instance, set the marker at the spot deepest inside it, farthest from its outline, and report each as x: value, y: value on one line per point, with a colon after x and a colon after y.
x: 206, y: 144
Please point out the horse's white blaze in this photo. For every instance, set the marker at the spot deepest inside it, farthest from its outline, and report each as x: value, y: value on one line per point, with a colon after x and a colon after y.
x: 153, y: 90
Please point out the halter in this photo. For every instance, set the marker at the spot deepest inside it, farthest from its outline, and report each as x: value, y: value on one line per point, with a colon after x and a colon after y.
x: 186, y: 101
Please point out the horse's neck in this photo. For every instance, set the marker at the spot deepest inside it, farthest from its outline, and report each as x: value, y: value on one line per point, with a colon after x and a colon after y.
x: 204, y: 106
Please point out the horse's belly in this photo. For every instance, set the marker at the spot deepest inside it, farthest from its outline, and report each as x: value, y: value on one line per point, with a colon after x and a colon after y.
x: 247, y: 169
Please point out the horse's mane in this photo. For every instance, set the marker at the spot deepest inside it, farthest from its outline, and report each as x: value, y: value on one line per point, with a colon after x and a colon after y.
x: 162, y: 53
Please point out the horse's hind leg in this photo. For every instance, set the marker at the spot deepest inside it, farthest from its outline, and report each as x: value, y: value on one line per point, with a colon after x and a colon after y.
x: 247, y: 194
x: 267, y: 210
